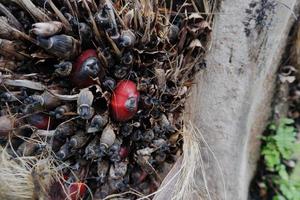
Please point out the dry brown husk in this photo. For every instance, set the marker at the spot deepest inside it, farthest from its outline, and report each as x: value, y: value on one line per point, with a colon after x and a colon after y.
x: 25, y: 177
x: 34, y: 11
x: 6, y: 125
x: 188, y: 178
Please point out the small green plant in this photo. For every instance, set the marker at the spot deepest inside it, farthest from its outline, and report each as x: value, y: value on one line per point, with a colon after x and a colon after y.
x: 279, y: 146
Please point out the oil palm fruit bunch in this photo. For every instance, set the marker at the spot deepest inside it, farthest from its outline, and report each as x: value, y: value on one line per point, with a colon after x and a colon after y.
x: 100, y: 86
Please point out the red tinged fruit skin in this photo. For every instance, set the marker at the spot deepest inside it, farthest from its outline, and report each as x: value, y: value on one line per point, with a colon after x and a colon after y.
x: 124, y: 102
x: 65, y: 177
x: 123, y: 153
x: 77, y: 191
x: 40, y: 121
x: 85, y: 68
x: 142, y: 176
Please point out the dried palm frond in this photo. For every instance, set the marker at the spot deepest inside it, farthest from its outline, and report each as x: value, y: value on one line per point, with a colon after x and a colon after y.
x: 11, y: 17
x: 10, y: 33
x: 34, y: 11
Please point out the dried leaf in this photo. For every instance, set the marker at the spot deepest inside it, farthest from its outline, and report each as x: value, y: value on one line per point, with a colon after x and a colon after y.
x: 161, y: 78
x: 25, y: 83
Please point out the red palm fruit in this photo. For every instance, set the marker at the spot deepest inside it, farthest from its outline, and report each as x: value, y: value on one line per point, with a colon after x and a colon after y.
x: 85, y: 68
x: 40, y: 121
x: 124, y: 151
x: 77, y: 190
x: 124, y: 100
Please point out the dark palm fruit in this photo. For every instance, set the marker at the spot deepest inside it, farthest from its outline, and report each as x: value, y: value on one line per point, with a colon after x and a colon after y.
x: 113, y: 153
x: 127, y: 58
x: 165, y: 124
x: 45, y: 100
x: 10, y: 96
x: 72, y: 20
x: 165, y: 147
x: 62, y: 46
x: 97, y: 123
x: 107, y: 20
x: 34, y: 101
x: 102, y: 18
x: 126, y: 129
x: 109, y: 58
x: 108, y: 137
x: 78, y: 140
x: 102, y: 150
x: 118, y: 170
x: 173, y: 33
x: 120, y: 71
x: 64, y: 152
x: 65, y: 129
x: 143, y: 84
x: 84, y: 104
x: 92, y: 149
x: 124, y: 101
x: 60, y: 111
x: 85, y: 68
x: 109, y: 84
x: 155, y: 113
x: 137, y: 135
x: 102, y: 192
x: 40, y: 121
x: 160, y: 157
x: 49, y: 100
x: 55, y: 143
x: 85, y: 31
x: 148, y: 135
x: 127, y: 39
x: 117, y: 185
x: 64, y: 68
x: 146, y: 100
x: 159, y: 143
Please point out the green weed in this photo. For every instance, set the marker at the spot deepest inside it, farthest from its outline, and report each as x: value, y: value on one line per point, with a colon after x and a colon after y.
x: 279, y: 147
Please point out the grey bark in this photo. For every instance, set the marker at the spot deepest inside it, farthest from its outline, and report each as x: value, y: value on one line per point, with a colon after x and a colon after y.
x: 231, y: 101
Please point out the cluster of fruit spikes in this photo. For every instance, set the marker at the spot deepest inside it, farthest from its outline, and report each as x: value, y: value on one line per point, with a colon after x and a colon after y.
x: 100, y: 86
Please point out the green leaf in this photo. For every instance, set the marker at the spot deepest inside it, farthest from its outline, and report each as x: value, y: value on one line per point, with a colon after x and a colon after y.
x: 286, y: 121
x: 296, y: 150
x: 271, y: 156
x: 285, y: 139
x: 284, y: 188
x: 281, y: 144
x: 283, y: 173
x: 272, y: 127
x: 279, y: 197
